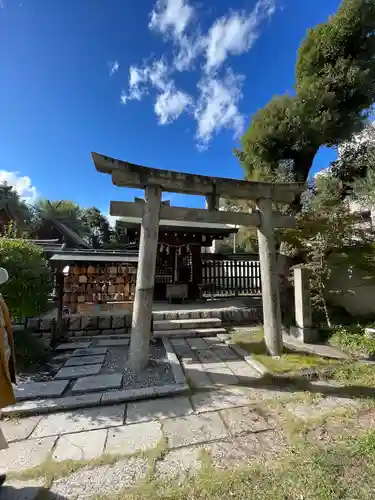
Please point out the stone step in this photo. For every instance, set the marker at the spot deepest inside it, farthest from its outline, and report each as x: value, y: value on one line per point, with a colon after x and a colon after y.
x: 90, y: 351
x: 70, y: 346
x: 177, y: 324
x: 98, y: 338
x: 101, y: 336
x: 112, y: 342
x: 36, y: 390
x: 97, y: 383
x: 73, y: 372
x: 68, y: 403
x: 189, y: 332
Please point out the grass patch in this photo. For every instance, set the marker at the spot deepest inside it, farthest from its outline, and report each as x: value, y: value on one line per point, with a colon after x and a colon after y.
x: 153, y: 456
x: 342, y: 471
x: 52, y: 470
x: 290, y: 362
x: 352, y: 340
x: 354, y: 374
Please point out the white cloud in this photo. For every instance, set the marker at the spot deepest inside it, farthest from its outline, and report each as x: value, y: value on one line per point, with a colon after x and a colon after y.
x: 158, y: 74
x: 188, y: 49
x: 217, y: 107
x: 235, y: 34
x: 22, y: 185
x: 137, y: 78
x: 170, y: 104
x: 155, y: 74
x: 171, y: 16
x: 112, y: 220
x: 113, y: 67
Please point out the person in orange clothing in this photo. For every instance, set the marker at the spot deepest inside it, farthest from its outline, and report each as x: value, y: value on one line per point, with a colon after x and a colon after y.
x: 7, y: 361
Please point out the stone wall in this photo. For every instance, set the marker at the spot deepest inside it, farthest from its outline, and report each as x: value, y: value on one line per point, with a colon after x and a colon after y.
x: 79, y: 326
x: 353, y: 290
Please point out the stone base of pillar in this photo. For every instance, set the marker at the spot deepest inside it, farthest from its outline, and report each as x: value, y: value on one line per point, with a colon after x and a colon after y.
x: 305, y: 335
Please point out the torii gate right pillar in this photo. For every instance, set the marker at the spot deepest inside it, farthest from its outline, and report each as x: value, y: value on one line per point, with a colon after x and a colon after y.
x: 269, y: 277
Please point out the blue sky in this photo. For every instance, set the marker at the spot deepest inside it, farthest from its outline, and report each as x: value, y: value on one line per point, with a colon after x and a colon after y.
x: 169, y: 84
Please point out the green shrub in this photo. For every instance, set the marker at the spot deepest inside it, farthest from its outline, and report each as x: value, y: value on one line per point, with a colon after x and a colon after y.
x: 30, y: 280
x: 30, y: 352
x: 352, y: 339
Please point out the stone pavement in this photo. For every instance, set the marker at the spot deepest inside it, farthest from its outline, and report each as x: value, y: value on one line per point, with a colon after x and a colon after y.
x: 231, y: 416
x: 200, y: 363
x: 232, y: 425
x: 209, y: 362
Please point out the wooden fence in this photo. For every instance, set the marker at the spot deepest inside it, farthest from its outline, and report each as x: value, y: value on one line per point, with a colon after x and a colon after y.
x: 232, y: 275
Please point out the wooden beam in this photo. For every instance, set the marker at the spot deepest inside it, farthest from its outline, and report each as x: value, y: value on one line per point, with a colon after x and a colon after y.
x: 129, y: 209
x: 125, y: 174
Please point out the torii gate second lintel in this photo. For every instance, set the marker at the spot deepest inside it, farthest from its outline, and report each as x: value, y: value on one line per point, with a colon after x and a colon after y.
x: 154, y: 181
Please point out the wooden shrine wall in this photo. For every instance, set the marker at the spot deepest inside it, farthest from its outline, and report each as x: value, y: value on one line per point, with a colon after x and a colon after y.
x: 111, y: 286
x: 231, y: 275
x: 96, y: 284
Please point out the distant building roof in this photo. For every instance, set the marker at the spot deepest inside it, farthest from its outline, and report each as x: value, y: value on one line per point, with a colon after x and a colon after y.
x: 70, y: 233
x: 49, y: 245
x: 95, y: 256
x: 53, y: 229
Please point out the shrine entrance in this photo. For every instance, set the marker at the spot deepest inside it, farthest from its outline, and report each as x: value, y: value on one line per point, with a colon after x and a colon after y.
x: 152, y: 211
x: 178, y: 271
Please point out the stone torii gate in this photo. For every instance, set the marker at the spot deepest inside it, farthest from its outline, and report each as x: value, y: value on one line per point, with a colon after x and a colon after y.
x: 151, y: 210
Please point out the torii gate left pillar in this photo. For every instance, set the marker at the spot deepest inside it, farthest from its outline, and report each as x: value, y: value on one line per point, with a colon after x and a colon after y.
x: 144, y: 290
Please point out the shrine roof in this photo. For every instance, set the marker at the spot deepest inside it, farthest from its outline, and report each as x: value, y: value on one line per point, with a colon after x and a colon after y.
x: 95, y: 256
x: 186, y: 226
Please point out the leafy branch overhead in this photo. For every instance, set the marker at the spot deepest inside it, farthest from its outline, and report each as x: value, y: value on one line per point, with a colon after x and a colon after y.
x: 334, y: 92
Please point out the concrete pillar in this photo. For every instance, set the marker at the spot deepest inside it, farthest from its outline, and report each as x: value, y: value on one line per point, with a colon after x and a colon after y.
x: 142, y: 309
x: 303, y: 330
x: 270, y: 281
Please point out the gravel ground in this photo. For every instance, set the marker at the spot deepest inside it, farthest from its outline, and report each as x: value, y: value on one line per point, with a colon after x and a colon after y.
x: 158, y: 371
x: 105, y: 480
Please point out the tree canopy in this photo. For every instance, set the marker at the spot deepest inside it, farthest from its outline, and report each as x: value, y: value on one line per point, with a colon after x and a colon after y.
x: 96, y: 226
x: 334, y: 91
x: 20, y: 210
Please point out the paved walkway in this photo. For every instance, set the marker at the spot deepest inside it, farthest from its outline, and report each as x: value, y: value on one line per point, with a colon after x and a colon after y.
x: 232, y: 425
x: 231, y: 416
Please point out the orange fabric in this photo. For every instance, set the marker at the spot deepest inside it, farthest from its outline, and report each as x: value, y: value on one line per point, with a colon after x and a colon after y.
x: 7, y: 369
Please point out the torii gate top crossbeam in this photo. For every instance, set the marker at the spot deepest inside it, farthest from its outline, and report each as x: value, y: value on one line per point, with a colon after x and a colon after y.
x: 125, y: 174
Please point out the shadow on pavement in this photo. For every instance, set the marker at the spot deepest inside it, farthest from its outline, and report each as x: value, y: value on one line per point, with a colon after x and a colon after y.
x: 28, y: 493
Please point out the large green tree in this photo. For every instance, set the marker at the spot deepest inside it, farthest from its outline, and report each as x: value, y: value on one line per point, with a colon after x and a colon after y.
x: 355, y: 165
x: 65, y: 211
x: 97, y: 227
x: 118, y: 237
x: 335, y: 89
